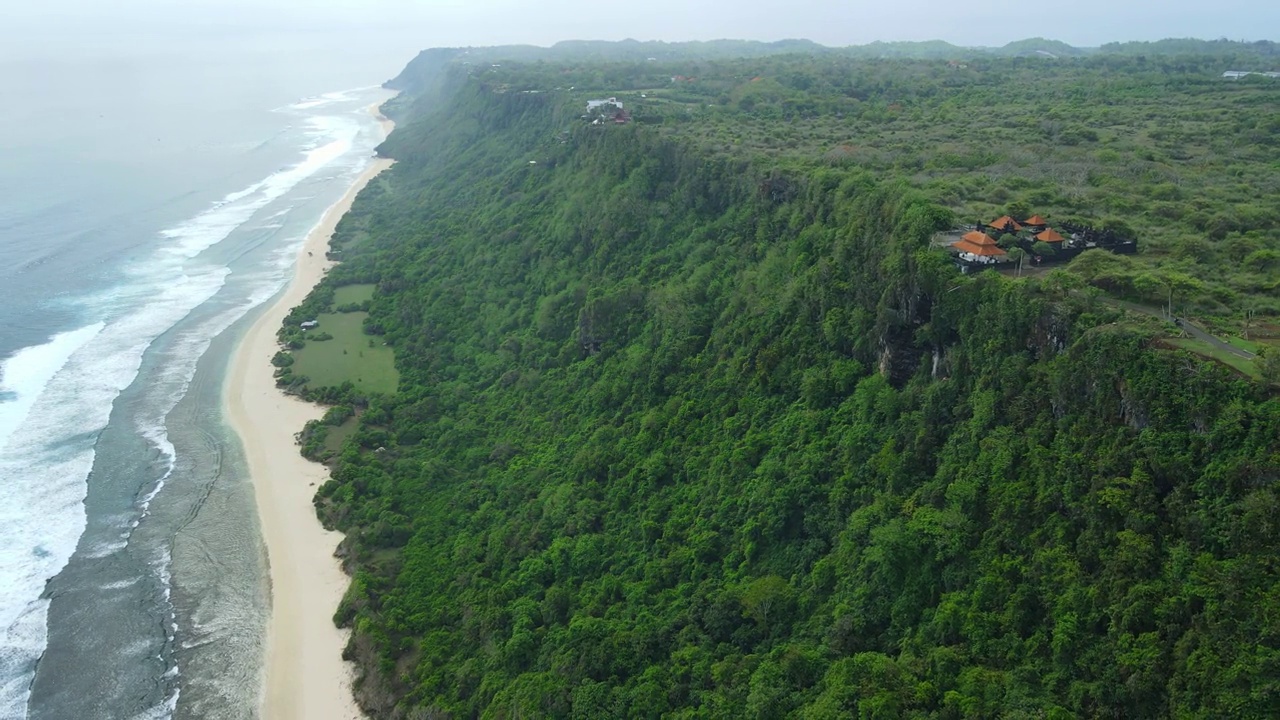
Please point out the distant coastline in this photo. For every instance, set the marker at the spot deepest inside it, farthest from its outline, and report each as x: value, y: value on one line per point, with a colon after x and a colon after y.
x: 304, y: 675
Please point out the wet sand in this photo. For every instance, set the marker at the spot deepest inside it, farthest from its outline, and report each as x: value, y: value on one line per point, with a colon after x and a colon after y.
x: 305, y: 676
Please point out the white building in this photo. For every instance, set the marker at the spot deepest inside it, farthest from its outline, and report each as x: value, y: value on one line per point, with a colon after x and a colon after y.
x: 599, y: 104
x: 1237, y: 74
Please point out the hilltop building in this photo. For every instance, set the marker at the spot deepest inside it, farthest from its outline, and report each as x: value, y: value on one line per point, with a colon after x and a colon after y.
x: 1005, y: 224
x: 609, y: 110
x: 1037, y: 242
x: 1049, y: 235
x: 1237, y: 74
x: 603, y: 105
x: 979, y: 247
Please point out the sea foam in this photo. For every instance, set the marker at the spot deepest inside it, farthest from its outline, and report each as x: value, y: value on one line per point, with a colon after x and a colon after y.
x: 211, y: 227
x: 25, y: 375
x: 46, y: 463
x: 59, y: 397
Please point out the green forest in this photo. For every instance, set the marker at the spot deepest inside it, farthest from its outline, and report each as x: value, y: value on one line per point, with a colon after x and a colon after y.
x: 693, y: 419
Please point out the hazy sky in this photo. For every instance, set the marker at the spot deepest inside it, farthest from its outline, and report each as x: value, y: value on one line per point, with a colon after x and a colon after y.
x: 422, y: 23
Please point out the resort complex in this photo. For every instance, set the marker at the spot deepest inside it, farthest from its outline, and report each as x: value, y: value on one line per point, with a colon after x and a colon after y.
x: 1008, y: 240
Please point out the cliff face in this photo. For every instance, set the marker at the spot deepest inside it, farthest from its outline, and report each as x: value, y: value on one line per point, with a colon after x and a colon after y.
x: 422, y: 72
x: 669, y: 442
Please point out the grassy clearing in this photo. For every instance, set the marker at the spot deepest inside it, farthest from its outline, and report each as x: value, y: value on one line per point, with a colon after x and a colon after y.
x: 356, y: 239
x: 334, y: 439
x: 347, y: 357
x: 352, y: 294
x: 1246, y: 345
x: 1254, y: 346
x: 1204, y: 349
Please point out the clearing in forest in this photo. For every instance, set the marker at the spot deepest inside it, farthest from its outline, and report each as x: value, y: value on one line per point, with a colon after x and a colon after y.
x: 350, y: 355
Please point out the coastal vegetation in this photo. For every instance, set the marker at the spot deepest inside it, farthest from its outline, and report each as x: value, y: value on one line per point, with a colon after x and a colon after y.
x: 339, y: 351
x: 353, y: 298
x: 694, y: 420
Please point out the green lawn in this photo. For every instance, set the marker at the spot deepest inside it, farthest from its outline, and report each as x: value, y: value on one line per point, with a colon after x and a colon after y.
x: 336, y: 436
x: 352, y: 294
x: 1247, y: 345
x: 347, y: 356
x: 1204, y: 349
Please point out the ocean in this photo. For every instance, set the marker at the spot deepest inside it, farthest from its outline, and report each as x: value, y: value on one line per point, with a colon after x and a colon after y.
x: 153, y: 195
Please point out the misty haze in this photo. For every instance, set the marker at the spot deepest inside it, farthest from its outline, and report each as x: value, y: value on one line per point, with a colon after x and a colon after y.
x: 442, y: 360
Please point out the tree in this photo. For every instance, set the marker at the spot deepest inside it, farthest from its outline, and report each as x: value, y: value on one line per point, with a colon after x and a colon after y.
x: 1149, y: 286
x: 1019, y: 210
x: 1105, y: 270
x: 1119, y: 227
x: 1018, y: 255
x: 767, y: 599
x: 1262, y: 260
x: 1043, y: 249
x: 1193, y: 248
x: 1268, y: 364
x: 1179, y: 284
x: 1059, y: 281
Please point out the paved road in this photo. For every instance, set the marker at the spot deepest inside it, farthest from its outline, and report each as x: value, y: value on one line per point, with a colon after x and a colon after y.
x: 1188, y: 327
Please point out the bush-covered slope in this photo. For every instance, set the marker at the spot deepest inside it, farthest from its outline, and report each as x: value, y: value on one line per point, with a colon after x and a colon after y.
x: 678, y: 437
x: 1158, y: 148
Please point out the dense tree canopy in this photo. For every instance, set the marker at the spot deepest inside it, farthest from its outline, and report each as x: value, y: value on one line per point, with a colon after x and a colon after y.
x: 692, y: 434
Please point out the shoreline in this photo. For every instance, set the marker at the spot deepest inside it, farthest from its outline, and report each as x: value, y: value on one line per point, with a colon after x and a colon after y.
x: 304, y: 675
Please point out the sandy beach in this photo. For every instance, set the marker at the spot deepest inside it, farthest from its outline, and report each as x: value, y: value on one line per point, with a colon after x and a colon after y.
x: 305, y: 676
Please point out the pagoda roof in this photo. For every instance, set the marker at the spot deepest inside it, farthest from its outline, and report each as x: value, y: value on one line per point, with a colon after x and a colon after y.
x: 1050, y: 235
x: 987, y: 249
x: 1001, y: 223
x: 1036, y: 220
x: 977, y: 238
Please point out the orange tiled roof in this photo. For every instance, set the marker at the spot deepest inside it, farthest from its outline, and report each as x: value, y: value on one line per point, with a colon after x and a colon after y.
x: 1036, y: 220
x: 1050, y: 235
x: 1002, y: 222
x: 978, y: 238
x: 991, y: 250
